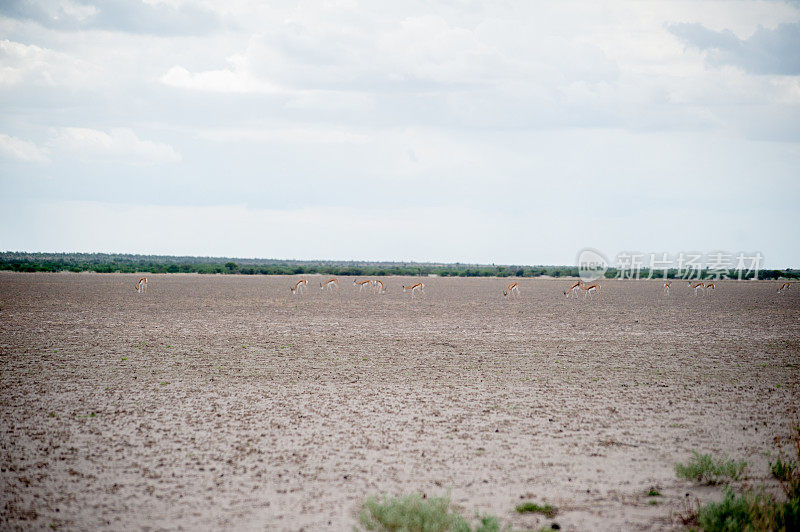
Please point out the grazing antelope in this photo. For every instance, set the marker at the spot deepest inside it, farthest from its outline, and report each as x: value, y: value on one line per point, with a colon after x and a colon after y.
x: 512, y: 289
x: 141, y: 286
x: 362, y: 284
x: 299, y: 286
x: 667, y: 286
x: 710, y: 286
x: 784, y: 288
x: 696, y: 287
x: 414, y: 288
x: 379, y: 286
x: 593, y: 288
x: 330, y: 284
x: 573, y: 289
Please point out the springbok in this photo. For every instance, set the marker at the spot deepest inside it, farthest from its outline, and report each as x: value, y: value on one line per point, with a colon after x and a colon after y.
x: 362, y: 284
x: 667, y: 286
x: 414, y: 288
x: 141, y: 286
x: 573, y: 289
x: 696, y: 287
x: 589, y: 289
x: 710, y: 286
x: 330, y: 284
x: 784, y: 288
x: 379, y: 286
x: 512, y: 289
x: 299, y: 287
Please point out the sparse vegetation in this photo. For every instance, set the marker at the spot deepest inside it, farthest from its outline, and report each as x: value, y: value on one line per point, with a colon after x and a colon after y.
x: 783, y: 471
x: 126, y: 263
x: 707, y: 469
x: 531, y: 507
x: 755, y: 510
x: 653, y: 493
x: 417, y: 513
x: 749, y: 511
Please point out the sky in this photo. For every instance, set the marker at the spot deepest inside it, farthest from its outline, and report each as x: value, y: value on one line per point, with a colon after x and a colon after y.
x: 507, y: 132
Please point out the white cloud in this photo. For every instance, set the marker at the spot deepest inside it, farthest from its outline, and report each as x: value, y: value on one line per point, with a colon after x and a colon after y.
x: 224, y: 80
x: 22, y: 150
x: 33, y: 65
x: 289, y: 134
x: 118, y: 145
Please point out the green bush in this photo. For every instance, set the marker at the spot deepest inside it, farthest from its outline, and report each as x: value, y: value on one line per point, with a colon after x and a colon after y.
x: 749, y: 511
x: 416, y: 513
x: 709, y: 470
x: 531, y: 507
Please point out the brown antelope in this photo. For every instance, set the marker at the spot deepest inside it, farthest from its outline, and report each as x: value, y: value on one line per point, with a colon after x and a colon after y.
x: 512, y: 289
x: 330, y: 284
x: 573, y: 289
x: 710, y: 286
x: 696, y: 287
x: 414, y: 288
x: 141, y: 286
x: 667, y: 286
x: 379, y: 286
x: 784, y: 288
x: 589, y: 289
x: 299, y: 287
x: 362, y: 284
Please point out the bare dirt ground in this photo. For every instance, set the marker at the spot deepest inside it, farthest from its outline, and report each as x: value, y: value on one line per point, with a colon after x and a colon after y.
x: 224, y: 402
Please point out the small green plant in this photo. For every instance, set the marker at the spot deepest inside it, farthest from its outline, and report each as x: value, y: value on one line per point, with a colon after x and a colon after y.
x: 783, y: 471
x: 532, y: 507
x: 749, y: 511
x: 124, y: 358
x: 653, y: 493
x: 417, y: 513
x: 787, y: 471
x: 709, y: 470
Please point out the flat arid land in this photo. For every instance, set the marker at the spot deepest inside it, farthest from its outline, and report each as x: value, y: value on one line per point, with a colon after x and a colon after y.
x: 213, y: 402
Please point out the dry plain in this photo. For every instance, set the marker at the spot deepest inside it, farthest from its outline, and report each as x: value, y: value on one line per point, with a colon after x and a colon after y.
x: 218, y: 402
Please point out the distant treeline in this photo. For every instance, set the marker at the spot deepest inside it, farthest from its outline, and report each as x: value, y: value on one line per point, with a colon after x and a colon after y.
x: 124, y: 263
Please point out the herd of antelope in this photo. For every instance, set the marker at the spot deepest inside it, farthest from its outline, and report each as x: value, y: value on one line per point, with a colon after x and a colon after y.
x: 371, y: 285
x: 587, y: 289
x: 511, y: 291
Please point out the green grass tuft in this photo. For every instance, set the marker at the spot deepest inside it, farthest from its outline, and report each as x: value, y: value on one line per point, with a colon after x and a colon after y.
x: 416, y: 513
x: 532, y: 507
x: 783, y: 471
x: 749, y: 511
x: 653, y: 493
x: 709, y: 470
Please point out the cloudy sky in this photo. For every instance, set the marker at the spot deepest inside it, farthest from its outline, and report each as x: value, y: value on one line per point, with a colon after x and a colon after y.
x: 505, y: 132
